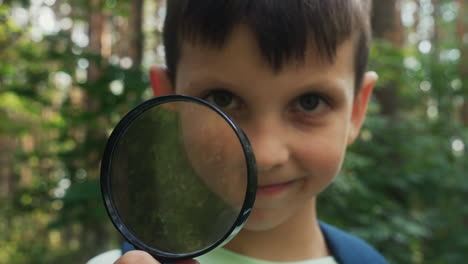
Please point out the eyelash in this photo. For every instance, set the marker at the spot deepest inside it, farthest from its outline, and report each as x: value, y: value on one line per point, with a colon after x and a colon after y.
x: 214, y: 92
x: 321, y: 101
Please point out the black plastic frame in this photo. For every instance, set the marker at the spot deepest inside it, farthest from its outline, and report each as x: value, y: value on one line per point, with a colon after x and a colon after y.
x: 106, y: 190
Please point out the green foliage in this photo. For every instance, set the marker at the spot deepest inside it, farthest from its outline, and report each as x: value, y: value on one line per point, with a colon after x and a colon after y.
x: 55, y: 126
x: 402, y: 187
x: 403, y: 184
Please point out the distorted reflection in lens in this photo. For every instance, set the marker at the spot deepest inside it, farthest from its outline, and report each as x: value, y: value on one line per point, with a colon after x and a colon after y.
x: 179, y: 177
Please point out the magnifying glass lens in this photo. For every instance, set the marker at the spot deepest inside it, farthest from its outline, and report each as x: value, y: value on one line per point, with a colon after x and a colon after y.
x: 175, y: 177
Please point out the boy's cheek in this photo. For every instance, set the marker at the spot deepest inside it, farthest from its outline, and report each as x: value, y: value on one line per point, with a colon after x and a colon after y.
x: 213, y: 149
x: 322, y: 158
x: 324, y: 165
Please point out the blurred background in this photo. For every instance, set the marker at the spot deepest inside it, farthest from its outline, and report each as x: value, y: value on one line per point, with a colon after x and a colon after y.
x: 69, y: 70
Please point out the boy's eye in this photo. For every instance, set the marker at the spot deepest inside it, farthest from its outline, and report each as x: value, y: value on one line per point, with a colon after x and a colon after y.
x: 222, y: 99
x: 310, y: 103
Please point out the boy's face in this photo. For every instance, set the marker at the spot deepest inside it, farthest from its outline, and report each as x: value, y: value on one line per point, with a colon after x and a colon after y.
x: 299, y: 120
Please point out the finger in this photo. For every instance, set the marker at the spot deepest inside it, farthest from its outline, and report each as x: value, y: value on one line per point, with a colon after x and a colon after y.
x: 136, y: 257
x: 187, y: 261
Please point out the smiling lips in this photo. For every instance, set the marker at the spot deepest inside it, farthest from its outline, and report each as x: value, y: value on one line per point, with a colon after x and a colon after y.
x: 273, y: 189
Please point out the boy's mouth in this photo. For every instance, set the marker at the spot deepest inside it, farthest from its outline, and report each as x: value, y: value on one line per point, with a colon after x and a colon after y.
x: 273, y: 189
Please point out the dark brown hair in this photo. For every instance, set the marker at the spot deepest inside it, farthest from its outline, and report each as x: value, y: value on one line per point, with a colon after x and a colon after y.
x: 284, y: 28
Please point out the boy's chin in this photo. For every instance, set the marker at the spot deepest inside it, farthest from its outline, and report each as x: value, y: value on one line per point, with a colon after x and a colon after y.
x: 264, y: 220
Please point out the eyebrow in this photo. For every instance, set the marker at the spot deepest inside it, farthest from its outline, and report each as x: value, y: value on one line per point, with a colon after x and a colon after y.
x: 210, y: 82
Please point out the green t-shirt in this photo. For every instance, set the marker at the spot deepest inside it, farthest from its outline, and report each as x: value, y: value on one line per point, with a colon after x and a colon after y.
x: 225, y: 256
x: 217, y: 256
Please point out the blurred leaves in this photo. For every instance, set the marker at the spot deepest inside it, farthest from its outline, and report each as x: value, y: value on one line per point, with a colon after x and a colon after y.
x: 54, y: 122
x: 403, y: 186
x: 404, y: 182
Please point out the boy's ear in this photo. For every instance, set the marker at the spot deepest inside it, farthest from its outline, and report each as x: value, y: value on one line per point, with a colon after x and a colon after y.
x: 160, y: 81
x: 360, y: 105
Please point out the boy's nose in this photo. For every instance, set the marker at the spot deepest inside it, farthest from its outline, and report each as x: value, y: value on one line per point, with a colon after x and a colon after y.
x: 269, y: 146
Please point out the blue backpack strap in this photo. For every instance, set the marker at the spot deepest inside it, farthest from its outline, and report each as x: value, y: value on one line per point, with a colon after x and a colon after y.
x: 349, y: 249
x: 127, y: 247
x: 345, y: 248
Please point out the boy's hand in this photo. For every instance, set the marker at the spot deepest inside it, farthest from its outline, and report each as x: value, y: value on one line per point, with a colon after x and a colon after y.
x: 141, y: 257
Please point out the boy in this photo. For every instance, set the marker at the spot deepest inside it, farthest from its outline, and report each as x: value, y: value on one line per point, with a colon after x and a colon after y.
x: 292, y: 74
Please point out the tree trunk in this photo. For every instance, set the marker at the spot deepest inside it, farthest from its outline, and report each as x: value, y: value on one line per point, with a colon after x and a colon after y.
x: 96, y: 27
x: 386, y: 25
x: 136, y: 33
x: 97, y: 47
x: 8, y: 183
x: 386, y: 22
x: 463, y: 63
x: 7, y: 179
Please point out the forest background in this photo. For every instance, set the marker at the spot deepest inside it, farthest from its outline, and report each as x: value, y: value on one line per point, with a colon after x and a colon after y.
x: 70, y: 70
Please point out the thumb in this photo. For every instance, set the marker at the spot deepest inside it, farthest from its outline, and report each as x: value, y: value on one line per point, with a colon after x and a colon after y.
x: 187, y: 261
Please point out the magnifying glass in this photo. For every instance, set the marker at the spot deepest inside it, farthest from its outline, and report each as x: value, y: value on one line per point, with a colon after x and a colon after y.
x: 178, y: 177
